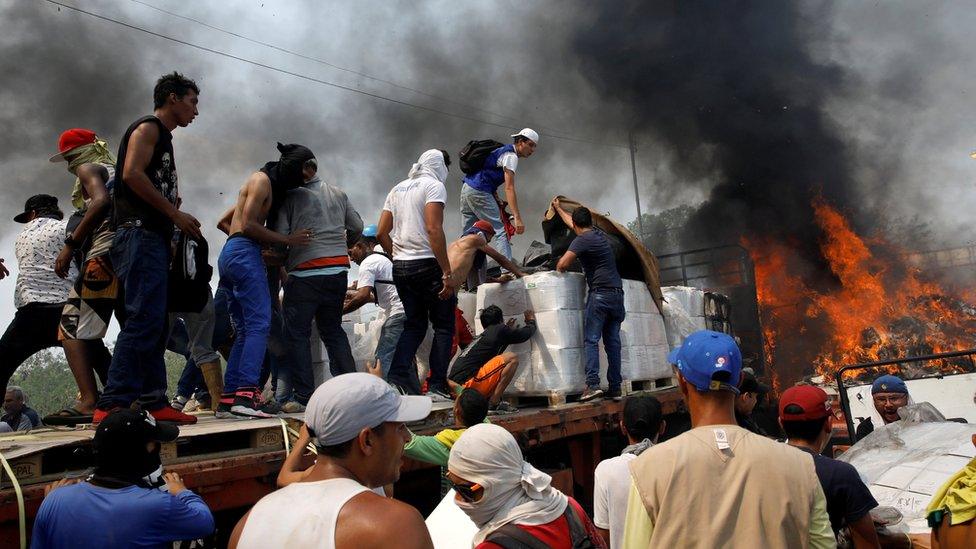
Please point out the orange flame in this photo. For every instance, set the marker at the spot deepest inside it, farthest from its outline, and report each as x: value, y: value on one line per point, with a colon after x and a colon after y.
x: 876, y: 308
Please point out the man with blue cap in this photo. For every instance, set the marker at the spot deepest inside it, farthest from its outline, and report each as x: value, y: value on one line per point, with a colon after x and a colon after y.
x: 375, y: 284
x: 719, y: 484
x: 889, y: 394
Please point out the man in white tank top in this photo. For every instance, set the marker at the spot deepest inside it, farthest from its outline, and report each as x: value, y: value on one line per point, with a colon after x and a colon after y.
x: 358, y: 424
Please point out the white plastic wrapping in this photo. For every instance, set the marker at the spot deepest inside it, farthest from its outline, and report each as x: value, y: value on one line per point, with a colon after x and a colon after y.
x: 510, y: 297
x: 643, y: 329
x: 562, y: 328
x: 637, y: 299
x: 468, y: 303
x: 692, y: 300
x: 678, y: 324
x: 551, y: 290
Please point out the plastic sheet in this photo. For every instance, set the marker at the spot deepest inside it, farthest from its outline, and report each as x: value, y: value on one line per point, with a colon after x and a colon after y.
x: 551, y: 291
x: 678, y: 324
x: 692, y: 300
x: 637, y: 299
x: 510, y: 297
x: 905, y: 462
x: 468, y: 303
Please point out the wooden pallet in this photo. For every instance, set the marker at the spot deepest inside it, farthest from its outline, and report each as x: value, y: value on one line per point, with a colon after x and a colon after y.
x: 631, y: 386
x: 553, y: 399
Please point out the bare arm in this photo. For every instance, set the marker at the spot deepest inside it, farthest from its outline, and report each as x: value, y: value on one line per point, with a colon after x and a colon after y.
x: 863, y: 533
x: 291, y: 470
x: 513, y: 200
x: 361, y: 297
x: 383, y: 229
x: 224, y: 223
x: 605, y: 534
x: 93, y: 178
x: 502, y: 260
x: 138, y: 154
x: 563, y: 214
x: 235, y: 535
x: 434, y: 224
x: 258, y: 191
x: 360, y: 524
x: 566, y: 261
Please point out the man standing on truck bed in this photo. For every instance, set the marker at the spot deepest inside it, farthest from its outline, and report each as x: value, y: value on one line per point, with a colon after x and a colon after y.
x: 604, y: 300
x: 478, y: 191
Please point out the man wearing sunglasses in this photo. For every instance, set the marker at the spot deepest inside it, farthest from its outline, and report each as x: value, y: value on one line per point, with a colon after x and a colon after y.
x: 889, y: 394
x: 357, y: 422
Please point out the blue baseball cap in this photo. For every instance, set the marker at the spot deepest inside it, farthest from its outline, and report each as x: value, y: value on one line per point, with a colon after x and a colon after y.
x: 370, y: 230
x: 889, y: 384
x: 706, y: 353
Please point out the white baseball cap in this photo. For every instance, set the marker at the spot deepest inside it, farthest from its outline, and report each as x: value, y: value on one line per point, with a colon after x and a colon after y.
x: 345, y: 405
x: 528, y: 133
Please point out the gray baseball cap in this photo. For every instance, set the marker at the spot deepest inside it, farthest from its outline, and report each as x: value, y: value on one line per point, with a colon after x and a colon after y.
x: 345, y: 405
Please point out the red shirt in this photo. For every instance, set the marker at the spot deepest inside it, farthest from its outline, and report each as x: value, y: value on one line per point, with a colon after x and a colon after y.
x: 462, y: 332
x: 555, y: 534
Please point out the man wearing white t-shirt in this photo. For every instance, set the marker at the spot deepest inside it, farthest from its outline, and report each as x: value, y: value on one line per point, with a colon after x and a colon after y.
x: 642, y: 424
x: 375, y: 284
x: 411, y: 229
x: 478, y: 191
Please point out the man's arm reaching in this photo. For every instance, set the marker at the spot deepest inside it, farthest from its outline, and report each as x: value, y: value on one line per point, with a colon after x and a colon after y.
x: 505, y: 262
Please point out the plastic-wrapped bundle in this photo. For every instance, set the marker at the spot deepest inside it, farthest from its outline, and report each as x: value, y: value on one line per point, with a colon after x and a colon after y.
x: 551, y: 369
x: 657, y: 361
x: 678, y: 324
x: 562, y: 329
x: 551, y: 291
x: 510, y: 297
x: 692, y: 300
x: 642, y: 329
x: 468, y: 303
x: 637, y: 299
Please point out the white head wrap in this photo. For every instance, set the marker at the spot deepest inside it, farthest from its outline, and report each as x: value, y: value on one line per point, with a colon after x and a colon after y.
x: 430, y: 163
x: 514, y: 491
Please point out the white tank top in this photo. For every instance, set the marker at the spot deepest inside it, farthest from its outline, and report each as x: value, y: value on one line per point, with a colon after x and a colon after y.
x: 300, y: 515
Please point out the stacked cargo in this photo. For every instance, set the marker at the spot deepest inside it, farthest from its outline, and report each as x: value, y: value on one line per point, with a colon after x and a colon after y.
x: 643, y: 340
x: 688, y: 310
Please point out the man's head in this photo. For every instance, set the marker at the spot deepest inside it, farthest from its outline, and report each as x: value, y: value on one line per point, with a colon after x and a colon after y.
x: 365, y: 245
x: 889, y: 393
x: 309, y: 169
x: 359, y: 421
x: 804, y: 414
x: 127, y: 444
x: 525, y: 142
x: 470, y: 408
x: 642, y: 419
x: 39, y: 205
x: 582, y: 219
x: 749, y: 391
x: 71, y: 141
x: 482, y: 227
x: 177, y: 95
x: 709, y: 365
x: 293, y: 166
x: 14, y: 400
x: 491, y: 315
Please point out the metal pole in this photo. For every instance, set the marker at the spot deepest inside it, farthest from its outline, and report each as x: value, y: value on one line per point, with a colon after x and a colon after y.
x: 633, y: 168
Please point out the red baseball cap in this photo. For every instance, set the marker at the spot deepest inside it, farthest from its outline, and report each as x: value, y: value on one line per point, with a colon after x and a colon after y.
x: 804, y: 402
x: 72, y: 139
x: 486, y: 227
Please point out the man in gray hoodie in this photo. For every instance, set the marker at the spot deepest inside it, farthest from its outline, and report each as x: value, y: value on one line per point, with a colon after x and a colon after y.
x: 316, y: 284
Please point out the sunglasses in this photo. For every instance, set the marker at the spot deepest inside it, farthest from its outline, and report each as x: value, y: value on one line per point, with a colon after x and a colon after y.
x: 468, y: 492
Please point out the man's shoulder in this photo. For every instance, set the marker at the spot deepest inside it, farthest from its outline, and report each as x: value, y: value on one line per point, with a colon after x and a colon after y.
x: 615, y: 463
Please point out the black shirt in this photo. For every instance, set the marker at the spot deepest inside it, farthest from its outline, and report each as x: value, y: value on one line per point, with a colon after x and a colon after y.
x: 596, y: 257
x: 848, y: 499
x: 491, y: 343
x: 161, y: 171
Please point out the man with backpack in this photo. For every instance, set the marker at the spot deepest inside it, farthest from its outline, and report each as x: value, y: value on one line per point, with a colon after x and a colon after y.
x: 376, y: 285
x: 487, y: 165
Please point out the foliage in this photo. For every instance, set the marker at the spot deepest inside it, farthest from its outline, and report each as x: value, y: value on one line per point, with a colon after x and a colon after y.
x: 663, y: 230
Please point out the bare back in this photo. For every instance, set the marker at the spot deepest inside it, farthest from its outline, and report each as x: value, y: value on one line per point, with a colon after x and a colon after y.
x: 253, y: 203
x: 461, y: 256
x: 370, y: 520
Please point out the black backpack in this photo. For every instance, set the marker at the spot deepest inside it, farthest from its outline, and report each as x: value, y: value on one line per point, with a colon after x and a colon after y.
x: 472, y: 156
x: 511, y: 536
x: 189, y: 276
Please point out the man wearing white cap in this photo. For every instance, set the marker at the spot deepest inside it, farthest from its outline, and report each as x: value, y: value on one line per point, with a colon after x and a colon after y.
x: 357, y: 422
x: 478, y: 191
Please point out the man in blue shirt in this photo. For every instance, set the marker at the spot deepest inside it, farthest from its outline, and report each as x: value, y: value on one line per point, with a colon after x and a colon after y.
x: 604, y: 300
x: 126, y: 502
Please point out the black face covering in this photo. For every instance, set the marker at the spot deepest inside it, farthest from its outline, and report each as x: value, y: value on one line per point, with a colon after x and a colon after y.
x: 286, y: 173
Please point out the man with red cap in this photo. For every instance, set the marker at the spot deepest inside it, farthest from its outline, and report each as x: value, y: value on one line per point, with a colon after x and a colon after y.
x: 92, y: 299
x: 468, y: 255
x: 145, y: 213
x: 804, y: 414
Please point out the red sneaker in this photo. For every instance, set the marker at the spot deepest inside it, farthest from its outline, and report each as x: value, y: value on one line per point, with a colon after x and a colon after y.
x: 168, y: 414
x: 100, y: 415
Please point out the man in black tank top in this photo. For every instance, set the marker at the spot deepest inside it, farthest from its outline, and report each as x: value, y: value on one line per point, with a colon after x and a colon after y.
x: 145, y: 213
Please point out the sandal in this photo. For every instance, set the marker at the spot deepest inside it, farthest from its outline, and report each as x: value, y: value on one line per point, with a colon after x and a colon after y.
x: 67, y: 416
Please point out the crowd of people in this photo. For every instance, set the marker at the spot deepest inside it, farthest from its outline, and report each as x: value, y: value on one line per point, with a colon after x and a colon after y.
x: 130, y: 250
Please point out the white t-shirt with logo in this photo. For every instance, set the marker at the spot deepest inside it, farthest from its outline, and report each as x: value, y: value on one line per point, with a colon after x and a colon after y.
x: 407, y: 202
x: 508, y: 160
x: 611, y: 488
x: 378, y: 268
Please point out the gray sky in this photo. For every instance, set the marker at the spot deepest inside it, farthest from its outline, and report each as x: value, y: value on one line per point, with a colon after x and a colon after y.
x: 902, y: 102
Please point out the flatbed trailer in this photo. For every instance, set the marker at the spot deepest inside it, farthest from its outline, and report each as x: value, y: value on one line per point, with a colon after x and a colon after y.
x: 231, y: 464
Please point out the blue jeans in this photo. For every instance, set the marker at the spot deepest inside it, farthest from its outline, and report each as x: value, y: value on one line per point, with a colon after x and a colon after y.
x: 418, y: 283
x: 243, y: 276
x: 141, y: 261
x: 319, y: 297
x: 477, y: 205
x: 389, y: 337
x: 604, y: 313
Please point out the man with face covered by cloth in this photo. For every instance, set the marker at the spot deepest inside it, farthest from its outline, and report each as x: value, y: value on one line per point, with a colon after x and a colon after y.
x: 128, y: 501
x: 513, y: 503
x: 243, y: 275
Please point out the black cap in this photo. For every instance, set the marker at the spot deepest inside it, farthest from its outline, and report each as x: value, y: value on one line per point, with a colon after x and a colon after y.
x: 38, y: 202
x: 750, y: 384
x: 125, y: 431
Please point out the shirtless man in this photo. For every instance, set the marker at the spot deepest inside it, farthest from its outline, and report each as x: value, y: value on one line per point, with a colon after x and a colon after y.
x: 357, y: 422
x: 243, y: 274
x: 467, y: 256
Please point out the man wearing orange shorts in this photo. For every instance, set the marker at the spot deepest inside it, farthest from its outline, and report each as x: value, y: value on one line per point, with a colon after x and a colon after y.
x: 484, y: 365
